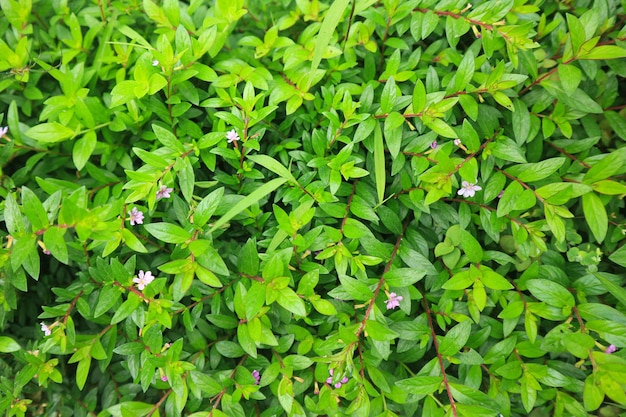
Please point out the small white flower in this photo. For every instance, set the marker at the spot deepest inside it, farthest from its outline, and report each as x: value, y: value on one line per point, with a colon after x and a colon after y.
x: 163, y: 192
x: 143, y: 279
x: 45, y: 329
x: 457, y: 142
x: 232, y: 136
x: 468, y: 189
x: 3, y: 131
x: 135, y: 217
x: 155, y: 62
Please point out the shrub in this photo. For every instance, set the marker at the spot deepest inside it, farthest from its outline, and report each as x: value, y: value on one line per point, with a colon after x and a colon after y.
x: 262, y: 208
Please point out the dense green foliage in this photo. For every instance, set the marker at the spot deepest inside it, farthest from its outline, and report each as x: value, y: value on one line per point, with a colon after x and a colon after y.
x: 303, y: 207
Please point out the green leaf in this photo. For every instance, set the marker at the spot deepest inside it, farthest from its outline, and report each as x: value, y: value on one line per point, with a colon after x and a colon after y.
x: 570, y: 77
x: 207, y: 206
x: 555, y: 222
x: 109, y: 294
x: 388, y: 96
x: 8, y: 345
x: 380, y: 171
x: 325, y: 307
x: 403, y: 277
x: 419, y: 97
x: 207, y: 277
x: 133, y: 242
x: 356, y: 289
x: 82, y: 371
x: 536, y: 171
x: 245, y: 341
x: 330, y: 22
x: 168, y: 232
x: 229, y: 349
x: 34, y: 210
x: 50, y: 132
x: 617, y: 123
x: 274, y: 166
x: 378, y: 331
x: 465, y: 71
x: 12, y: 215
x: 420, y: 385
x: 246, y: 202
x: 54, y: 239
x: 186, y: 178
x: 617, y: 291
x: 441, y: 128
x: 607, y: 166
x: 593, y: 396
x: 455, y: 339
x: 289, y: 300
x: 520, y: 122
x: 604, y: 52
x: 508, y: 150
x: 167, y: 138
x: 126, y: 309
x: 495, y: 281
x: 551, y: 293
x: 578, y: 99
x: 595, y: 215
x: 83, y: 148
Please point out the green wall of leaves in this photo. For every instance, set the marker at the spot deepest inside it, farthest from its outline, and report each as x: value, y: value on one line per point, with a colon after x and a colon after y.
x: 302, y: 207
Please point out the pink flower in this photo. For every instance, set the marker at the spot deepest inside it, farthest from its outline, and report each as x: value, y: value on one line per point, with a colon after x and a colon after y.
x: 610, y: 349
x: 164, y: 378
x: 232, y: 136
x: 144, y: 279
x: 3, y: 131
x: 329, y: 380
x: 163, y: 192
x: 393, y: 301
x: 468, y: 189
x: 433, y: 145
x: 136, y: 217
x: 257, y: 377
x: 45, y: 329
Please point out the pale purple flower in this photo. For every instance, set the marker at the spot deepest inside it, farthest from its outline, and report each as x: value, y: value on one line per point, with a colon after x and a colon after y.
x: 433, y: 145
x: 329, y: 380
x: 45, y: 329
x: 232, y: 136
x: 163, y: 192
x: 500, y: 194
x: 3, y: 131
x: 164, y: 378
x: 457, y: 142
x: 136, y: 217
x: 610, y: 349
x: 143, y: 279
x: 393, y: 301
x: 468, y: 189
x: 257, y: 377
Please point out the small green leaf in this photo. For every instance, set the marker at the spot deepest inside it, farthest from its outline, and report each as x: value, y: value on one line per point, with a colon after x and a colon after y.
x: 604, y: 52
x: 247, y: 201
x: 289, y: 300
x: 8, y: 345
x: 50, y: 132
x: 595, y: 215
x: 551, y: 293
x: 420, y: 385
x: 54, y: 239
x: 168, y: 232
x: 455, y: 339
